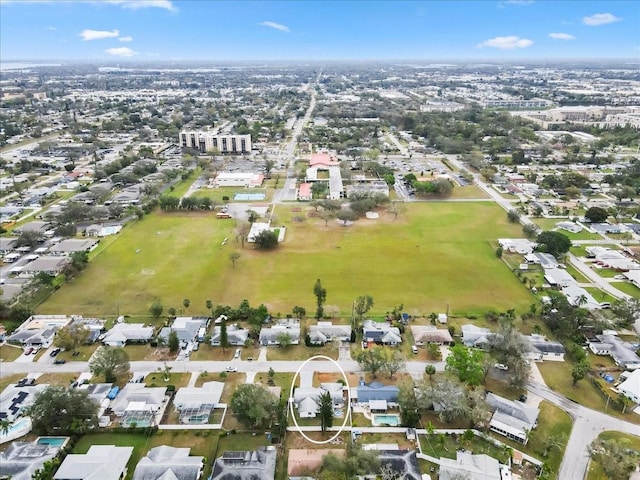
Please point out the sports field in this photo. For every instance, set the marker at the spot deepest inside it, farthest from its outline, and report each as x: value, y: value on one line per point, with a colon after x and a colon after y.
x: 433, y: 256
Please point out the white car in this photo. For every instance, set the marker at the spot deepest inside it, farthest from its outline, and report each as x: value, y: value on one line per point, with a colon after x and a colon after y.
x: 232, y: 369
x: 619, y: 277
x: 501, y: 366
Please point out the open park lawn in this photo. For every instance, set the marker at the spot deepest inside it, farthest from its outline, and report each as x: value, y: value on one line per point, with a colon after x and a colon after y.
x: 433, y: 256
x: 595, y: 470
x: 203, y: 443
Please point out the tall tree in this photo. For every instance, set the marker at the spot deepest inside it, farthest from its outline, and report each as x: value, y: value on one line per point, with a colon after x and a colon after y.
x: 110, y: 362
x: 615, y: 457
x: 58, y: 410
x: 156, y: 309
x: 555, y: 243
x: 224, y: 336
x: 362, y: 305
x: 234, y: 256
x: 408, y: 403
x: 466, y: 364
x: 447, y: 396
x: 173, y: 341
x: 321, y: 297
x: 511, y: 349
x: 72, y: 336
x: 253, y: 404
x: 325, y: 410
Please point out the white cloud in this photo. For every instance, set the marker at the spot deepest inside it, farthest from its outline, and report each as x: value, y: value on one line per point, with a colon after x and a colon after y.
x: 138, y: 4
x: 51, y: 28
x: 128, y: 38
x: 600, y: 19
x: 506, y: 43
x: 121, y: 52
x: 98, y: 34
x: 277, y: 26
x: 132, y: 4
x: 562, y: 36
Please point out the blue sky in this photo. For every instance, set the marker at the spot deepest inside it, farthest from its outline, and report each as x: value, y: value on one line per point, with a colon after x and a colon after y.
x: 154, y: 30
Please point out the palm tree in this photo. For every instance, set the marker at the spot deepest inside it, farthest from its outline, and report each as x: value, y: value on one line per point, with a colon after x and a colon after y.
x: 4, y: 426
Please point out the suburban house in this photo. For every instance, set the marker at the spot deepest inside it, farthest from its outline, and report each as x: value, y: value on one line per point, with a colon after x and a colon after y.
x: 256, y: 465
x: 558, y: 278
x: 305, y: 398
x: 7, y: 245
x: 380, y: 333
x: 517, y: 245
x: 376, y: 396
x: 138, y: 404
x: 195, y: 404
x: 325, y: 332
x: 622, y: 352
x: 15, y: 398
x: 36, y: 226
x: 545, y: 260
x: 169, y: 463
x: 49, y: 264
x: 99, y: 393
x: 70, y: 246
x: 124, y: 333
x: 512, y: 418
x: 236, y: 336
x: 634, y: 277
x: 94, y: 325
x: 22, y: 459
x: 186, y: 328
x: 470, y: 467
x: 101, y: 462
x: 477, y: 337
x: 543, y: 349
x: 630, y: 388
x: 38, y: 330
x: 424, y: 334
x: 289, y: 326
x: 579, y: 297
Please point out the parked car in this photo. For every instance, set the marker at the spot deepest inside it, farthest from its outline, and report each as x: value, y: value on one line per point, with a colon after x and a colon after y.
x: 414, y: 349
x: 237, y: 354
x: 232, y: 369
x: 501, y: 366
x: 28, y: 351
x: 59, y: 361
x: 54, y: 352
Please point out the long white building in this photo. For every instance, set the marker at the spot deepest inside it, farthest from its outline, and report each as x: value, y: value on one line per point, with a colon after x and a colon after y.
x: 207, y: 141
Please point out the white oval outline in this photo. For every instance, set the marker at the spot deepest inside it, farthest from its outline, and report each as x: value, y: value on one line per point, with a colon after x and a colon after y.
x: 348, y: 409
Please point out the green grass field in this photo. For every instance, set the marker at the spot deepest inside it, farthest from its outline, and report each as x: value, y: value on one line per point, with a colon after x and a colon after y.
x: 433, y: 256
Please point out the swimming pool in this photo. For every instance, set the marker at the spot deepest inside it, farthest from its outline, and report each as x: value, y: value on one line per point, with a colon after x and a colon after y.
x: 53, y: 441
x: 386, y: 419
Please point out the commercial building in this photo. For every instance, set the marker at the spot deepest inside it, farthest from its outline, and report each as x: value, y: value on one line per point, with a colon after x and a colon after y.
x: 204, y: 141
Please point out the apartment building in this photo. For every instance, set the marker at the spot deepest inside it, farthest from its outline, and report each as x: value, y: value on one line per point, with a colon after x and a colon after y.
x: 208, y: 141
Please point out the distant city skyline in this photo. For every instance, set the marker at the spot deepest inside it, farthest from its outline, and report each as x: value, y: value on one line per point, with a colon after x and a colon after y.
x: 164, y: 30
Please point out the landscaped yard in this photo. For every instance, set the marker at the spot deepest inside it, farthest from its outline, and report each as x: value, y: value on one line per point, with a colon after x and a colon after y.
x: 557, y: 376
x: 443, y: 445
x: 8, y: 353
x: 203, y: 443
x: 595, y: 470
x: 552, y: 422
x: 430, y: 257
x: 158, y: 379
x: 628, y: 288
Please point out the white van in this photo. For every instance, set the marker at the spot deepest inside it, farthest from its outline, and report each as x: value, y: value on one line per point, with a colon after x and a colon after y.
x: 414, y: 349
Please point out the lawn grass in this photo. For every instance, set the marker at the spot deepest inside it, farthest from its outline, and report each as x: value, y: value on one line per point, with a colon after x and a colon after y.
x: 10, y: 379
x: 57, y: 379
x: 551, y: 421
x: 595, y: 469
x: 469, y: 191
x: 205, y: 444
x: 157, y: 379
x: 628, y: 288
x: 8, y: 353
x: 85, y: 353
x: 600, y: 295
x: 579, y: 277
x: 557, y: 376
x: 438, y: 252
x: 445, y: 445
x: 302, y: 352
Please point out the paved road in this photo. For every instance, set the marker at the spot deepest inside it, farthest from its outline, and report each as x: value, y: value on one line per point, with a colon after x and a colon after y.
x: 596, y: 279
x: 587, y: 425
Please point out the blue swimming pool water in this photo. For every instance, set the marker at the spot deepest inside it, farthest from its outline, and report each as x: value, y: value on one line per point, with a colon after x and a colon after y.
x: 53, y: 441
x: 249, y: 196
x: 384, y: 419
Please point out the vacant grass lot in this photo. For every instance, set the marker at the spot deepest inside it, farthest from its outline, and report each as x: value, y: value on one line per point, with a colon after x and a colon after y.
x: 433, y: 256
